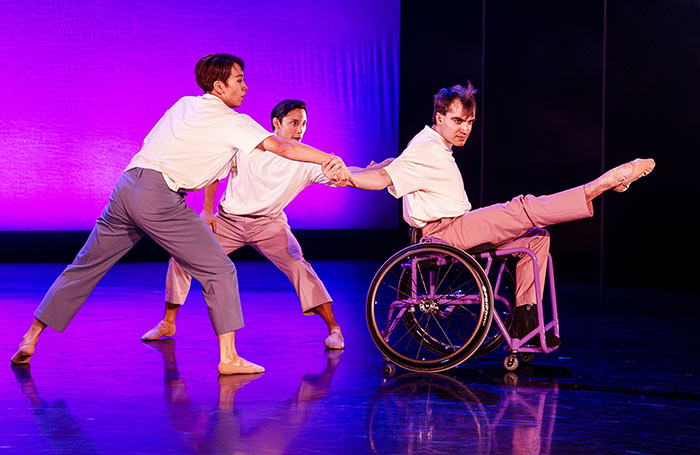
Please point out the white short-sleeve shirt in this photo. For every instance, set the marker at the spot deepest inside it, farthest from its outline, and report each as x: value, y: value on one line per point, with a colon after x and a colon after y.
x: 265, y: 183
x: 195, y: 142
x: 427, y: 177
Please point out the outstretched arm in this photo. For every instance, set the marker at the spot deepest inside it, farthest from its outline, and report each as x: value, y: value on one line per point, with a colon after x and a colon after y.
x: 371, y: 165
x: 366, y: 178
x: 297, y: 151
x: 375, y: 179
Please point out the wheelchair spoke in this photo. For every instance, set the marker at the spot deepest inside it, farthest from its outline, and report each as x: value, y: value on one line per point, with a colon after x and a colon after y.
x: 452, y: 321
x: 468, y: 312
x: 443, y: 332
x: 406, y: 295
x: 419, y: 273
x: 447, y: 272
x: 398, y: 275
x: 416, y: 323
x: 428, y: 300
x: 420, y: 346
x: 457, y: 332
x: 468, y: 288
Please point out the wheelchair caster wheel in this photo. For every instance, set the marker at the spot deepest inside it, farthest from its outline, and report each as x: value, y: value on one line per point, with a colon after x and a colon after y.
x: 527, y: 357
x: 511, y: 362
x: 389, y: 369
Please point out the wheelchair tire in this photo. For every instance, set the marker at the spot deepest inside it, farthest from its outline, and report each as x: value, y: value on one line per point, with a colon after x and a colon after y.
x: 429, y: 307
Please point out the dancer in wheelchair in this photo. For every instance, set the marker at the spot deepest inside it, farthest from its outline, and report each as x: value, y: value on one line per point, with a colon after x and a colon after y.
x: 434, y: 200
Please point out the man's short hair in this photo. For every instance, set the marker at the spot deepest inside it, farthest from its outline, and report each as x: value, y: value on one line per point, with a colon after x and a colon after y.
x: 215, y: 67
x: 283, y: 108
x: 443, y: 99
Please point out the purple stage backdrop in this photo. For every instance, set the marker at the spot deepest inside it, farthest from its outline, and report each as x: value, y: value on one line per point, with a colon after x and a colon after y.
x: 83, y: 82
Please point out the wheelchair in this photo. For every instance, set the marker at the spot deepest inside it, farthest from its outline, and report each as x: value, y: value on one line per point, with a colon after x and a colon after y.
x: 432, y: 306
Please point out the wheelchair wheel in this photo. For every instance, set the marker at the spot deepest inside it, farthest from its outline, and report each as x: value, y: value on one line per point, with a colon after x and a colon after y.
x: 503, y: 285
x: 429, y: 307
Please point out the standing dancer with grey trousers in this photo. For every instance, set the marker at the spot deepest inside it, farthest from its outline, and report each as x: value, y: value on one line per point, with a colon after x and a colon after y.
x: 189, y: 148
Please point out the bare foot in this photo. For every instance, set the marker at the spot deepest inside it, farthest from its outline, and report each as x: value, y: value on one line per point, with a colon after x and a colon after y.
x: 239, y: 365
x: 162, y: 329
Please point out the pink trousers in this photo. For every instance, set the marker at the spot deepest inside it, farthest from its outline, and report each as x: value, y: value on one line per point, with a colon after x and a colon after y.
x: 517, y: 223
x: 272, y: 237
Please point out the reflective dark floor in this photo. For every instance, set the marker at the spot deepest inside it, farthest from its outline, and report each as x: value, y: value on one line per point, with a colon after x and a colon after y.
x: 626, y: 379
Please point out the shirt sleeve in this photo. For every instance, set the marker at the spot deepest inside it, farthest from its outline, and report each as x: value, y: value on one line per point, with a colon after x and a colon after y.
x: 407, y: 174
x: 317, y: 175
x: 247, y: 134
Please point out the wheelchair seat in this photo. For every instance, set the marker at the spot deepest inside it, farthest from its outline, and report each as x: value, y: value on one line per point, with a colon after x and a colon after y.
x: 415, y: 236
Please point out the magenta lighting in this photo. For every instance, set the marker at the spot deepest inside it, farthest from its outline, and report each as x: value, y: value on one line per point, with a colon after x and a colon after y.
x: 84, y: 82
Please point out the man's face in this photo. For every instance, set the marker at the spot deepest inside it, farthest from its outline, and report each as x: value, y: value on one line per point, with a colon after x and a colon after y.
x: 292, y: 126
x: 455, y: 125
x: 233, y: 89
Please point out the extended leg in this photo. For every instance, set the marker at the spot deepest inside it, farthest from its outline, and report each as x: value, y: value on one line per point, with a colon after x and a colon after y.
x: 113, y: 235
x: 500, y: 224
x: 335, y: 338
x: 109, y: 241
x: 274, y: 239
x: 166, y: 218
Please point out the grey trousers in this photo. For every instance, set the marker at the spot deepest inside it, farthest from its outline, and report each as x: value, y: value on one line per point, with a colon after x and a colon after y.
x: 142, y: 203
x: 273, y: 238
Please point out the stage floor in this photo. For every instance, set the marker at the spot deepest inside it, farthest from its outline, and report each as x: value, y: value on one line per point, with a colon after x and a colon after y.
x: 624, y: 381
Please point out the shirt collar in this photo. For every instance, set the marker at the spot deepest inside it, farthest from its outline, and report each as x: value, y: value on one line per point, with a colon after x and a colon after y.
x: 438, y: 137
x: 210, y: 97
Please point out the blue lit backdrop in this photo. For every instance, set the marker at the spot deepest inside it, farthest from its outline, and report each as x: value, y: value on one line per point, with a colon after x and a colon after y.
x: 84, y: 82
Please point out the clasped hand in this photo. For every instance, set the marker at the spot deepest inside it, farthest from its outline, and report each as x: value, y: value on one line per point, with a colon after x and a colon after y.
x: 334, y: 169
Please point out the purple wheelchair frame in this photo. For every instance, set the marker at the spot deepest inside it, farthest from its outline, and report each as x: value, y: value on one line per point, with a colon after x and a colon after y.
x: 520, y: 345
x: 516, y: 345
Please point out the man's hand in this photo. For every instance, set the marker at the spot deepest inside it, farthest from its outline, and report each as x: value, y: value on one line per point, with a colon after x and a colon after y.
x: 334, y: 169
x: 209, y: 219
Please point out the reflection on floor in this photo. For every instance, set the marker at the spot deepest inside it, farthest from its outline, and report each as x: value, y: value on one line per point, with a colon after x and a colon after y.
x: 623, y: 382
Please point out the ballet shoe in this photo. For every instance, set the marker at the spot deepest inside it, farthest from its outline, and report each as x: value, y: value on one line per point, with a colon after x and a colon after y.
x: 162, y: 329
x: 24, y: 353
x: 639, y: 168
x: 240, y: 366
x: 335, y: 340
